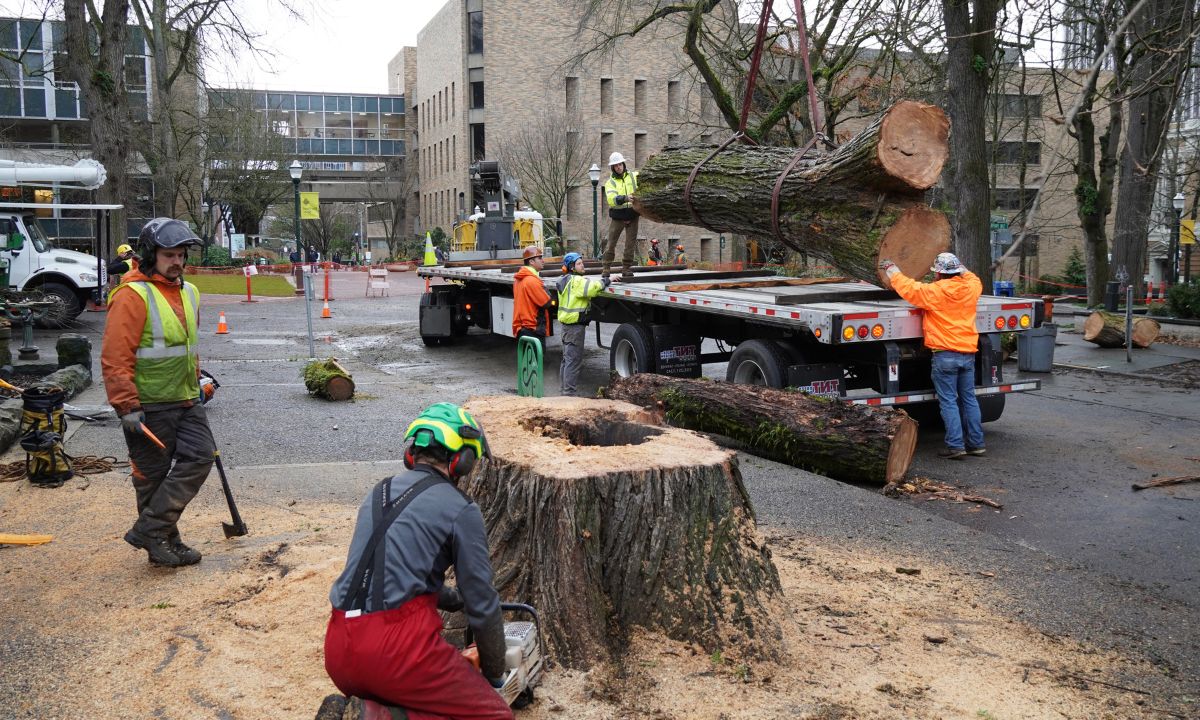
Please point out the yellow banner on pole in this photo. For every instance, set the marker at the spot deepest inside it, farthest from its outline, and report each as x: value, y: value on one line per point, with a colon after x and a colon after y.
x: 1187, y: 232
x: 310, y: 206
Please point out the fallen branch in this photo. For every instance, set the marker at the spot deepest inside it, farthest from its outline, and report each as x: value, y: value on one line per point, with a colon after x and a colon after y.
x: 931, y: 490
x: 1163, y: 482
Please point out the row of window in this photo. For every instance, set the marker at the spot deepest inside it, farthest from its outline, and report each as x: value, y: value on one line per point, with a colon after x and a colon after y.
x: 440, y: 208
x: 439, y: 158
x: 236, y: 99
x: 17, y: 35
x: 1015, y: 153
x: 68, y: 102
x: 676, y: 103
x: 439, y: 108
x: 308, y: 146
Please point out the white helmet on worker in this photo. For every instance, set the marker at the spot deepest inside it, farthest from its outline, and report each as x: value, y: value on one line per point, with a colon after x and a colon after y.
x: 947, y: 264
x: 615, y: 159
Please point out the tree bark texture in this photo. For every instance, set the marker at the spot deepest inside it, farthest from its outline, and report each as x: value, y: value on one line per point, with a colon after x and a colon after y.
x: 846, y: 442
x: 1108, y: 330
x: 604, y: 522
x: 848, y: 207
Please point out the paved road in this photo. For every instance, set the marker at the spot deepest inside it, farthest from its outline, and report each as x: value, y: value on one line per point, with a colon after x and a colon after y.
x: 1083, y: 555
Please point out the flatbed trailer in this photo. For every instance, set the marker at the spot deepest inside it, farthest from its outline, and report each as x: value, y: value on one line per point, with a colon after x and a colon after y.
x: 847, y: 339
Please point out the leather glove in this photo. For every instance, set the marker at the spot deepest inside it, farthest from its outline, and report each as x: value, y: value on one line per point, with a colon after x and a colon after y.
x: 490, y: 641
x: 888, y: 267
x: 132, y: 421
x: 621, y: 199
x: 449, y: 599
x: 605, y: 281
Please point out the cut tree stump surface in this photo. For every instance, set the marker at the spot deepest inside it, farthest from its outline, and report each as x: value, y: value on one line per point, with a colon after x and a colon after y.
x: 605, y: 521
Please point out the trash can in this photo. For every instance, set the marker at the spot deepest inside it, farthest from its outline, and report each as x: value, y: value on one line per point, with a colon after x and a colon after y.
x: 1112, y: 296
x: 1002, y: 288
x: 1035, y: 348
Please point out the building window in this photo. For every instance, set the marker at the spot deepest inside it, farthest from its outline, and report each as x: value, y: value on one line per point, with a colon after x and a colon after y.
x: 639, y: 149
x: 453, y: 151
x: 673, y: 99
x: 1009, y: 153
x: 606, y: 147
x: 606, y: 96
x: 572, y: 86
x: 639, y: 97
x: 475, y: 23
x: 574, y: 195
x: 706, y: 249
x: 453, y: 100
x: 706, y: 138
x: 478, y: 147
x: 1016, y: 106
x: 477, y: 94
x: 1010, y: 199
x: 672, y: 139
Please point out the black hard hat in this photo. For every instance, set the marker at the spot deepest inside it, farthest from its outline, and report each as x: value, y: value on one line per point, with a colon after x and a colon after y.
x: 165, y: 232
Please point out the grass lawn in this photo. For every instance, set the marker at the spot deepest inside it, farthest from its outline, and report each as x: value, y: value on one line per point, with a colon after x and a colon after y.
x: 263, y: 285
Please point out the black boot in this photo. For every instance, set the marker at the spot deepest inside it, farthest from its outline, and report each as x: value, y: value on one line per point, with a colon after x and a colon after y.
x: 159, y: 549
x: 187, y: 555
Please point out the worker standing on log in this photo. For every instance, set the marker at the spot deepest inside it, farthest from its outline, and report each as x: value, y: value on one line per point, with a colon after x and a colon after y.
x: 575, y: 293
x: 619, y: 189
x: 949, y: 324
x: 384, y: 638
x: 531, y: 302
x: 152, y: 375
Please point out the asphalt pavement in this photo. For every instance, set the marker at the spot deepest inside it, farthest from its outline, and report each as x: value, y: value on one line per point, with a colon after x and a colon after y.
x: 1120, y: 574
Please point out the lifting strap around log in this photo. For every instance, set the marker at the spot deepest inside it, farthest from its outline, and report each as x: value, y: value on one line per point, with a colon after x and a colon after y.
x: 687, y: 188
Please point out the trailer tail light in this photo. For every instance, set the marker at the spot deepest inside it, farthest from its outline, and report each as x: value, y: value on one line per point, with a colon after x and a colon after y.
x: 848, y: 332
x: 999, y: 323
x: 468, y: 307
x: 862, y: 331
x: 817, y: 333
x: 1012, y: 322
x: 877, y: 331
x: 1026, y: 321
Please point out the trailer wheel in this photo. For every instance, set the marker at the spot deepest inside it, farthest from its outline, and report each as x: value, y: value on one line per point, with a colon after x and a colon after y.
x: 430, y: 340
x: 631, y: 351
x: 758, y: 362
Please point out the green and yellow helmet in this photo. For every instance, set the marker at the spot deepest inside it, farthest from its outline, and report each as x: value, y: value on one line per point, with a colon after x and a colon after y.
x: 450, y: 426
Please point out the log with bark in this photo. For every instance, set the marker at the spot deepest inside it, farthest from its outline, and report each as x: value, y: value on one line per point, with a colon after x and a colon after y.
x: 604, y: 522
x: 328, y: 379
x: 858, y: 443
x: 1108, y: 330
x: 852, y: 207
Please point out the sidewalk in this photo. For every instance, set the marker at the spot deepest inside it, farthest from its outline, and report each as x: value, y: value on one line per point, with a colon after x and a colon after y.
x: 1071, y: 351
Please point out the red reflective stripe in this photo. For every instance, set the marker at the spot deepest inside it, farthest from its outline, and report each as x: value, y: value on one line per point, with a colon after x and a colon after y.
x: 874, y: 401
x: 795, y: 316
x: 770, y: 311
x: 672, y: 298
x: 1019, y: 306
x: 1006, y: 388
x: 860, y: 316
x: 692, y: 301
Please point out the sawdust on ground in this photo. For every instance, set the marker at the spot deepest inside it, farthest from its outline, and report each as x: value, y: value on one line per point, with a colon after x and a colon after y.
x: 89, y: 629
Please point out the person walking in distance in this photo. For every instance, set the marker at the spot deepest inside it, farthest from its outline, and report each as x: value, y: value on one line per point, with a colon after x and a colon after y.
x: 619, y: 190
x: 152, y: 375
x: 656, y: 256
x: 575, y: 293
x: 950, y: 305
x: 531, y: 302
x: 680, y: 255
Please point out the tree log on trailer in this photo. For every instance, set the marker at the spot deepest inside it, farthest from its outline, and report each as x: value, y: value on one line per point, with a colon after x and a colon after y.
x: 604, y: 521
x: 858, y: 443
x: 1108, y: 330
x: 852, y: 207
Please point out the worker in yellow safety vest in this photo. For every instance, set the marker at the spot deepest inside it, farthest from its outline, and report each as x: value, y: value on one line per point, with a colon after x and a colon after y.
x: 151, y: 372
x: 619, y: 190
x: 575, y: 293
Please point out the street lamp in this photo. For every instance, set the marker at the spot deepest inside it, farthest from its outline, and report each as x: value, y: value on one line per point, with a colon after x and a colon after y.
x: 295, y: 170
x: 594, y: 176
x: 1177, y: 203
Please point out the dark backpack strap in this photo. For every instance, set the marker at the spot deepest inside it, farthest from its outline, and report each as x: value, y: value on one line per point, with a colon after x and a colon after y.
x: 361, y: 579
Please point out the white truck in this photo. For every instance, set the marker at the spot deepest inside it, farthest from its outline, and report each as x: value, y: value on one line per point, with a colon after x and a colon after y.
x: 29, y: 262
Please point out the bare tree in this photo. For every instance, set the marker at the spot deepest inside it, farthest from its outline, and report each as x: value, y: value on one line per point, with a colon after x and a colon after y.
x: 390, y: 187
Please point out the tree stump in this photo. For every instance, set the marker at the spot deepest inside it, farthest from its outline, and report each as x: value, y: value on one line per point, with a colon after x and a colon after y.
x: 604, y: 522
x: 852, y: 207
x: 328, y: 379
x: 859, y: 443
x: 1108, y: 330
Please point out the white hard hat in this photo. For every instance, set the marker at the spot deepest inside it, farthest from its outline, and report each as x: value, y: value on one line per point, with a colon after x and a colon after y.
x: 615, y: 158
x: 947, y: 264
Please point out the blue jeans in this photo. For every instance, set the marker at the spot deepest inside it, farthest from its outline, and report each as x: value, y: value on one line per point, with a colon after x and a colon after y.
x: 954, y: 381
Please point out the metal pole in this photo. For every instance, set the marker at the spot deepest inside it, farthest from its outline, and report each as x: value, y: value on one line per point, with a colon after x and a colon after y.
x: 1175, y: 249
x: 362, y: 232
x: 1129, y: 322
x: 308, y: 291
x: 595, y: 223
x: 1187, y: 263
x: 298, y: 270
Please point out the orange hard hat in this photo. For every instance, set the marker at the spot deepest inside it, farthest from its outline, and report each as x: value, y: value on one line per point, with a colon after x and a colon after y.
x: 679, y: 246
x: 531, y: 252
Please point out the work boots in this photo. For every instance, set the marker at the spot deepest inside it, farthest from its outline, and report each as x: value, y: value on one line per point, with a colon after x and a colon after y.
x: 160, y: 550
x: 187, y: 555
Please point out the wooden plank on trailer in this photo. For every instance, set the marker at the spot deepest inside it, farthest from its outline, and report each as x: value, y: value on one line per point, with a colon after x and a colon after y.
x: 734, y: 285
x: 839, y: 296
x: 650, y: 277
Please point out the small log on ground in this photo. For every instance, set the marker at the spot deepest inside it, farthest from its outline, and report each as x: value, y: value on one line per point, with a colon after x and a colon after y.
x: 328, y: 379
x: 858, y: 443
x: 852, y: 207
x: 1108, y: 330
x: 604, y: 521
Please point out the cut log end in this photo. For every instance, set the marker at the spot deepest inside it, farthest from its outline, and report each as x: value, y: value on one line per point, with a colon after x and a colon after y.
x: 1108, y: 330
x: 900, y: 454
x: 339, y: 388
x: 913, y: 143
x: 914, y: 241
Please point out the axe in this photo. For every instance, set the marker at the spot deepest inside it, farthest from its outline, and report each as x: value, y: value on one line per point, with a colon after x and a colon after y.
x: 238, y: 528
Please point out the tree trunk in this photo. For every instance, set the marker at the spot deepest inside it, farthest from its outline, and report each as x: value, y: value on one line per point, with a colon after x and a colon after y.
x: 848, y: 207
x: 1108, y: 330
x: 857, y: 443
x: 604, y: 522
x: 328, y: 379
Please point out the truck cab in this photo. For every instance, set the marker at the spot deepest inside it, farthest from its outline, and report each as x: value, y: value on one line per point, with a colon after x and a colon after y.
x: 30, y: 263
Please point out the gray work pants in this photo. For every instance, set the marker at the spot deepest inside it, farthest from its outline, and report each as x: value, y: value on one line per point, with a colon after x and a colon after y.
x: 166, y: 481
x: 573, y: 337
x: 610, y: 243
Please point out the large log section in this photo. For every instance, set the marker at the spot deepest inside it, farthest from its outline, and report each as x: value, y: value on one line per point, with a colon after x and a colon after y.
x: 851, y: 207
x: 603, y: 522
x: 1108, y: 330
x: 858, y: 443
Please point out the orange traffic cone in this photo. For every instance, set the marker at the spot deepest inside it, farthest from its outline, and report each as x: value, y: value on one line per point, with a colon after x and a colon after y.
x: 222, y: 326
x: 325, y: 310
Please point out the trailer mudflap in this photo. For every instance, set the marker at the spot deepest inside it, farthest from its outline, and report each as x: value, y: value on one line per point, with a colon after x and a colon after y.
x: 676, y: 351
x: 436, y: 320
x: 817, y: 379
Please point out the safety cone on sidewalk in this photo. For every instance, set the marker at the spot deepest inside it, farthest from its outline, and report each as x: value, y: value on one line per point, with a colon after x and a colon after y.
x: 325, y: 311
x: 222, y: 326
x: 430, y: 255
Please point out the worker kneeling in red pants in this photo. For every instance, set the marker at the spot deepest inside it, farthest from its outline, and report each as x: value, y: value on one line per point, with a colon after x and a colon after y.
x: 384, y: 641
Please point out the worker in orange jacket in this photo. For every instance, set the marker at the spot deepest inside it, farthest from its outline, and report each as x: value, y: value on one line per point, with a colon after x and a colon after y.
x: 949, y: 324
x: 531, y: 302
